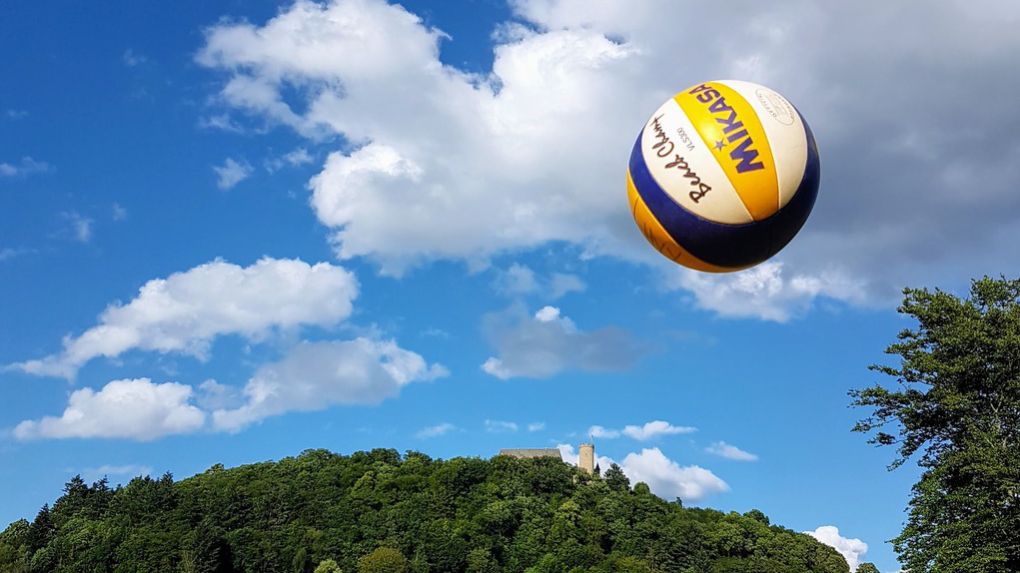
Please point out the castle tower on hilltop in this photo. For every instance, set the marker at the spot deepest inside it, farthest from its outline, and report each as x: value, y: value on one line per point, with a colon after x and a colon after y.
x: 586, y: 458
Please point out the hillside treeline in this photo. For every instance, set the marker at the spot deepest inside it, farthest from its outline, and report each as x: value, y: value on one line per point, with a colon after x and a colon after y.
x: 380, y: 512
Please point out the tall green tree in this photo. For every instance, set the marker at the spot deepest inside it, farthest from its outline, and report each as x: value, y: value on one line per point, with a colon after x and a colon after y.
x: 867, y: 568
x: 956, y: 407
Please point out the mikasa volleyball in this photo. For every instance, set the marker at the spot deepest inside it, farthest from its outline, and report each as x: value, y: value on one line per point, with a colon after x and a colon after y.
x: 723, y: 175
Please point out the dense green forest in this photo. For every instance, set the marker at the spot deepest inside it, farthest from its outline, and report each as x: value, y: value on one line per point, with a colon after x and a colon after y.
x: 380, y: 512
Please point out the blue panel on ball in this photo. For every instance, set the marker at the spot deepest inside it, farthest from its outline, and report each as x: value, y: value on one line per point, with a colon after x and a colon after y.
x: 732, y: 246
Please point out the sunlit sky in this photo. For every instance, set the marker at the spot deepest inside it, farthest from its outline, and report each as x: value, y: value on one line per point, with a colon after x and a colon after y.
x: 233, y: 231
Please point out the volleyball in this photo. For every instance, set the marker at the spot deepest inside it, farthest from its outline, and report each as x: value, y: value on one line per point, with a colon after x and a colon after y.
x: 723, y: 175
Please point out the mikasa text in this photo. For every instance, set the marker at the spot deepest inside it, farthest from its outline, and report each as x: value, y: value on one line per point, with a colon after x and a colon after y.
x: 664, y: 147
x: 744, y: 154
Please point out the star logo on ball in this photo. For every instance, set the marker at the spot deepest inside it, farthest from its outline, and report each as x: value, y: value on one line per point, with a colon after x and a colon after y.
x: 720, y: 144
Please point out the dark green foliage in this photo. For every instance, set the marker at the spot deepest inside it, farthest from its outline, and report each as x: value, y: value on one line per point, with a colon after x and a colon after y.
x: 378, y: 512
x: 957, y: 406
x: 867, y: 568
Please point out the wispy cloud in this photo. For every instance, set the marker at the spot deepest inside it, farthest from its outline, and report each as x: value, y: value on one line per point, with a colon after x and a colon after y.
x: 641, y: 433
x: 500, y: 426
x: 79, y: 226
x: 126, y: 470
x: 295, y: 158
x: 221, y: 122
x: 520, y: 280
x: 8, y: 253
x: 231, y: 173
x: 731, y: 452
x: 132, y: 59
x: 23, y: 168
x: 435, y: 431
x: 536, y: 426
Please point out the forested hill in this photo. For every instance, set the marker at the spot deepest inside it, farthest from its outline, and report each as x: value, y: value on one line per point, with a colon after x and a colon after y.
x: 379, y: 512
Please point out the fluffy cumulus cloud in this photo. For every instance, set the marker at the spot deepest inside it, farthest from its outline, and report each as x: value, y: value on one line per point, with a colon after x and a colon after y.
x: 186, y: 311
x: 519, y: 150
x: 311, y: 376
x: 546, y: 343
x: 851, y: 549
x: 731, y: 452
x: 666, y: 478
x: 316, y: 375
x: 137, y: 409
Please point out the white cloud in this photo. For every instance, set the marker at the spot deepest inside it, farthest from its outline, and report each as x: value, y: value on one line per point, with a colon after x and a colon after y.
x: 316, y: 375
x: 641, y: 433
x: 536, y: 426
x: 186, y: 311
x: 851, y: 549
x: 666, y: 478
x: 435, y: 431
x: 731, y: 452
x: 15, y: 114
x: 604, y: 433
x: 27, y: 166
x: 500, y: 426
x: 135, y: 409
x: 547, y: 343
x: 767, y: 291
x: 311, y: 376
x: 653, y: 429
x: 472, y: 145
x: 231, y: 173
x: 518, y: 148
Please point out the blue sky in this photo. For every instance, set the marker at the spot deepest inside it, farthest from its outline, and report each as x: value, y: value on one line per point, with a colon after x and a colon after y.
x: 233, y: 231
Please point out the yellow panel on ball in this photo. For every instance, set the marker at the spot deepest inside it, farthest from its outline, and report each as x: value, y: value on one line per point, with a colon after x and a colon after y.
x: 723, y: 176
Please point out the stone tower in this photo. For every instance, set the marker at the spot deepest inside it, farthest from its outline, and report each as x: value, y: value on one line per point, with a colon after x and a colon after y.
x: 586, y: 458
